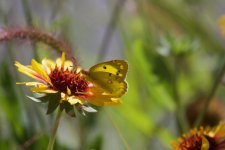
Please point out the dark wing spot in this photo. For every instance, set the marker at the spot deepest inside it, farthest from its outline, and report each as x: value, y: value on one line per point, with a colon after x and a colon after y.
x: 110, y: 74
x: 104, y: 67
x: 117, y: 73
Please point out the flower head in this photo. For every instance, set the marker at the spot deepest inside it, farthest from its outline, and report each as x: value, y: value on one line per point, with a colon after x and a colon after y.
x: 69, y: 82
x: 202, y: 139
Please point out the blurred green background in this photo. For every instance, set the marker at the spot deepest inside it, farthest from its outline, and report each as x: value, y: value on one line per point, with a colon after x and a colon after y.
x: 174, y: 50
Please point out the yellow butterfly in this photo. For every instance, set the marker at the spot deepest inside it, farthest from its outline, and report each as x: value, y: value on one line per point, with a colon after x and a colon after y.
x: 110, y: 76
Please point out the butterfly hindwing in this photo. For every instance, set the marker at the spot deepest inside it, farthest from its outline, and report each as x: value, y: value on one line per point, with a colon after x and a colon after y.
x: 112, y: 84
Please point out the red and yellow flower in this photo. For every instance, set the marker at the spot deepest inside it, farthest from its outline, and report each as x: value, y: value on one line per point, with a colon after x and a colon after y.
x: 62, y: 77
x: 202, y: 139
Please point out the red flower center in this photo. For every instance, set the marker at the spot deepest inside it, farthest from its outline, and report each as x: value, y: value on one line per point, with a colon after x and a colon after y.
x: 63, y: 79
x: 194, y: 142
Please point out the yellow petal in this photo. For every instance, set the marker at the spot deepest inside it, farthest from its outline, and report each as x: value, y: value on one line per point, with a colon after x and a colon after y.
x: 60, y: 61
x: 27, y: 71
x: 79, y: 69
x: 205, y: 144
x: 63, y: 57
x: 30, y: 83
x: 73, y: 100
x: 48, y: 65
x: 43, y: 89
x: 68, y: 65
x: 113, y: 102
x: 220, y: 131
x: 64, y: 96
x: 116, y: 100
x: 39, y: 69
x: 68, y: 91
x: 102, y: 100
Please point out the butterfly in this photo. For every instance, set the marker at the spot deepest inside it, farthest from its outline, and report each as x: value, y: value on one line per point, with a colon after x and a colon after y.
x: 110, y: 76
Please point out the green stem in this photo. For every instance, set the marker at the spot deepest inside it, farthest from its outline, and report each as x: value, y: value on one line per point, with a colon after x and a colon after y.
x: 54, y: 130
x: 180, y: 116
x: 211, y: 94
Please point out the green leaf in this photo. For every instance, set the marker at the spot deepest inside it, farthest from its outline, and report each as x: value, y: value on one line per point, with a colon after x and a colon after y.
x: 54, y: 100
x: 68, y: 108
x: 49, y: 97
x: 89, y: 109
x: 34, y: 99
x: 80, y: 109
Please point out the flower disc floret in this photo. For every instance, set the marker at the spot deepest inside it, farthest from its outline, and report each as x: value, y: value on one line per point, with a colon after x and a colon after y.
x: 66, y: 80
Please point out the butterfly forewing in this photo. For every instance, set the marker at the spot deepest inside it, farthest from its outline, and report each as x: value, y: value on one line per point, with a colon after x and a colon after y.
x: 114, y: 67
x: 110, y: 76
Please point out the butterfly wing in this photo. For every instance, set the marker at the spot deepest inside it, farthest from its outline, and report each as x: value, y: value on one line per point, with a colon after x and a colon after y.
x: 114, y: 67
x: 110, y: 76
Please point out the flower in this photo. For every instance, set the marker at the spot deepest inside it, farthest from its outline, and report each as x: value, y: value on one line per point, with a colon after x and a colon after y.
x: 202, y: 139
x: 63, y: 78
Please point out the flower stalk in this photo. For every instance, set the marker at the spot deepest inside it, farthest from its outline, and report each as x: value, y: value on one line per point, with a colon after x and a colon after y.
x: 211, y: 94
x: 36, y: 35
x: 54, y: 131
